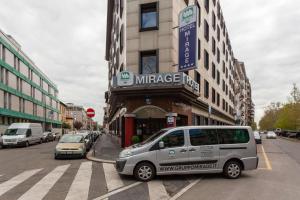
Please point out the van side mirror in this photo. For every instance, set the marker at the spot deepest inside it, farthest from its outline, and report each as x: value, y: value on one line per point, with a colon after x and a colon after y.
x: 161, y: 145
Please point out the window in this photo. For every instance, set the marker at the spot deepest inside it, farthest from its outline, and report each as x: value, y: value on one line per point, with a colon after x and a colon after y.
x: 148, y: 62
x: 206, y: 59
x: 226, y: 72
x: 206, y: 89
x: 174, y: 139
x: 200, y: 137
x: 223, y: 86
x: 199, y: 49
x: 213, y: 71
x: 218, y: 33
x: 233, y: 136
x: 218, y: 77
x: 206, y: 30
x: 218, y: 99
x: 223, y: 67
x: 121, y: 7
x: 223, y: 104
x: 213, y: 44
x: 206, y: 5
x: 223, y: 48
x: 226, y: 89
x: 219, y: 10
x: 149, y: 17
x: 213, y: 95
x: 198, y: 78
x: 121, y: 39
x: 218, y: 55
x: 199, y: 13
x: 213, y: 16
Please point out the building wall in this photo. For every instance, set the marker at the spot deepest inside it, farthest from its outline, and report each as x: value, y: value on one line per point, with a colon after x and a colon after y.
x: 23, y: 87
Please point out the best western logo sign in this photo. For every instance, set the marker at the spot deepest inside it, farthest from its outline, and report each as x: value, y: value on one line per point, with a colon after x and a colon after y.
x: 187, y: 16
x: 125, y: 78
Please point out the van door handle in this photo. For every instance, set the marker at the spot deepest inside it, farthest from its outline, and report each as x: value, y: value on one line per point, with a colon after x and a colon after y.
x: 183, y: 150
x: 192, y: 150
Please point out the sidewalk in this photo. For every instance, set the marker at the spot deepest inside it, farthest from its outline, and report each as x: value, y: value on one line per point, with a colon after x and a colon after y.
x: 107, y: 149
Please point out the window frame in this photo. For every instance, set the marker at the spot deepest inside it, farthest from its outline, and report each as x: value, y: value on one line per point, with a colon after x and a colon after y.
x: 151, y: 5
x: 148, y: 53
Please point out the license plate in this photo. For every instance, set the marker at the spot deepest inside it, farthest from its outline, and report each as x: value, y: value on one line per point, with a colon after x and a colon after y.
x: 69, y: 152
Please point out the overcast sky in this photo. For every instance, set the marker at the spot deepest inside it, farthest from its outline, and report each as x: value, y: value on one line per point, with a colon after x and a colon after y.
x: 66, y: 40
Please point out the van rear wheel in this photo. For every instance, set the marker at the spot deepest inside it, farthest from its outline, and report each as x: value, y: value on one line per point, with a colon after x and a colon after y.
x: 232, y: 169
x: 144, y: 171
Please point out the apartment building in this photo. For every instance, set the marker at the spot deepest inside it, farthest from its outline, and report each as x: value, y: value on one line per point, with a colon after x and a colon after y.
x: 76, y: 113
x: 147, y: 88
x: 26, y: 93
x: 244, y: 106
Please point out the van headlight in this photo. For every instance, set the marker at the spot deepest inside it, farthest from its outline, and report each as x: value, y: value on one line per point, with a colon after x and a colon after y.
x: 125, y: 154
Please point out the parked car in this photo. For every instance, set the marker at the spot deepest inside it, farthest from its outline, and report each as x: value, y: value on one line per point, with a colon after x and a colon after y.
x: 23, y: 134
x: 191, y: 150
x: 1, y: 141
x: 88, y: 140
x: 271, y: 135
x: 70, y: 146
x: 48, y: 136
x: 257, y: 137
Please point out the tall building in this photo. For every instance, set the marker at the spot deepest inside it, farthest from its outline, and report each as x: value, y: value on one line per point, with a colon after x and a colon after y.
x: 146, y: 91
x: 244, y: 106
x: 26, y: 93
x: 77, y: 114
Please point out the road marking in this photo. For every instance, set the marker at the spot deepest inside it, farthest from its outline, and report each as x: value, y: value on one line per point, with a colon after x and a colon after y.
x: 13, y: 182
x: 112, y: 177
x: 185, y: 189
x: 80, y: 187
x: 269, y: 167
x: 157, y: 190
x: 39, y: 190
x: 117, y: 191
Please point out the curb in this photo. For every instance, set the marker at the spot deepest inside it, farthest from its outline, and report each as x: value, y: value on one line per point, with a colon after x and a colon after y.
x: 92, y: 158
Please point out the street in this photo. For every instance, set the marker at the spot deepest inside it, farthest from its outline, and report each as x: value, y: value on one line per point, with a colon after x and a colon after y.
x: 32, y: 173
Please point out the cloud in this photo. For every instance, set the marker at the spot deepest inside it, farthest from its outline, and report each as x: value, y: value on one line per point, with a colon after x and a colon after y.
x: 66, y: 40
x: 266, y: 36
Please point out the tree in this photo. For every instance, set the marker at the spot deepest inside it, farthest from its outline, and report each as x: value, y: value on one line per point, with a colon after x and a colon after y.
x: 78, y: 125
x: 66, y: 125
x: 294, y: 95
x: 268, y: 121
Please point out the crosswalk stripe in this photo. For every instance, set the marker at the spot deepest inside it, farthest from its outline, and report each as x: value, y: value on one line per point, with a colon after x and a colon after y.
x: 112, y: 177
x: 13, y: 182
x: 39, y: 190
x: 80, y: 187
x: 157, y: 190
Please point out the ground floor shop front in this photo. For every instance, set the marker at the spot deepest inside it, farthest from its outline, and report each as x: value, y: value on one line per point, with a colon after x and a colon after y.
x: 141, y: 116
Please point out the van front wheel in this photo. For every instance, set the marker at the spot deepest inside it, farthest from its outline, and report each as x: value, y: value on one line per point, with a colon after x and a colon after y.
x: 144, y: 171
x: 233, y: 169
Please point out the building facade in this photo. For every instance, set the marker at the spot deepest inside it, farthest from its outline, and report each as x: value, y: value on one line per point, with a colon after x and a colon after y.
x: 26, y: 93
x: 146, y: 91
x: 244, y: 106
x: 76, y: 113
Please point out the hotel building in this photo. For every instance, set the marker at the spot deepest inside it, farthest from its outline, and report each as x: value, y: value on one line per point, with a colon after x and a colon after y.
x: 142, y: 48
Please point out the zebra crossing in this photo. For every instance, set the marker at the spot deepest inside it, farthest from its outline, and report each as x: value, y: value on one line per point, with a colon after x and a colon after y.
x: 37, y: 184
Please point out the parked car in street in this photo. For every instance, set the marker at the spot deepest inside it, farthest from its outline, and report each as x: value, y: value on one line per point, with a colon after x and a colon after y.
x: 191, y: 150
x: 70, y: 146
x: 1, y: 141
x: 48, y: 137
x: 271, y: 135
x: 257, y: 137
x: 88, y: 140
x: 23, y: 134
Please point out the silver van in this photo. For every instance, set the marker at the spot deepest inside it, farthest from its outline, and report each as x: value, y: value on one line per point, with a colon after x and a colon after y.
x: 23, y: 134
x: 191, y: 150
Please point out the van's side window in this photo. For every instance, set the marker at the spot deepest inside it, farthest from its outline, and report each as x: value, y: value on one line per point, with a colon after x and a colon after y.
x: 28, y: 133
x: 174, y: 139
x: 233, y: 136
x: 200, y: 137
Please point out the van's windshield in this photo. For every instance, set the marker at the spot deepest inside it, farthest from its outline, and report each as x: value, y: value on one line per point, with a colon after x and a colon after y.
x: 20, y: 131
x: 154, y: 136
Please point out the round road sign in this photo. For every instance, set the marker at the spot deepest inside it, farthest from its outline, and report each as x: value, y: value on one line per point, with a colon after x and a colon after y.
x: 90, y: 112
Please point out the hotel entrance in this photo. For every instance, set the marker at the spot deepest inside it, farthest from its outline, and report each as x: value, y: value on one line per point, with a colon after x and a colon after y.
x: 149, y: 119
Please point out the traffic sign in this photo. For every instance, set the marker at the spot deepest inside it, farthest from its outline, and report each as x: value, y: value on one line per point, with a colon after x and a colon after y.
x: 90, y: 112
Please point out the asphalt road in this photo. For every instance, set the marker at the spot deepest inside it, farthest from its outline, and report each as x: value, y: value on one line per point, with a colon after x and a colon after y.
x: 32, y: 173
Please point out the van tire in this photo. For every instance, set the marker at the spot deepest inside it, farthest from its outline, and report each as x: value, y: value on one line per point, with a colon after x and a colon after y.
x: 232, y: 169
x: 41, y: 141
x: 26, y: 144
x: 144, y: 171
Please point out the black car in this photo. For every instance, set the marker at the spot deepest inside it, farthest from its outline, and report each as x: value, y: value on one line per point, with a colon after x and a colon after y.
x: 48, y: 137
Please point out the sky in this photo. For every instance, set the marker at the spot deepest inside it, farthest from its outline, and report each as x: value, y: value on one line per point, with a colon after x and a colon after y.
x: 66, y: 40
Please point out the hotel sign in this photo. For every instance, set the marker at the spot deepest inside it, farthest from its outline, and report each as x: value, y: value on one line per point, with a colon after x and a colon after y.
x: 188, y: 38
x: 126, y: 79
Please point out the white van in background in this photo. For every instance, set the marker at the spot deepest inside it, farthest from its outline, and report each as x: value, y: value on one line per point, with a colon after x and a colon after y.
x: 23, y: 134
